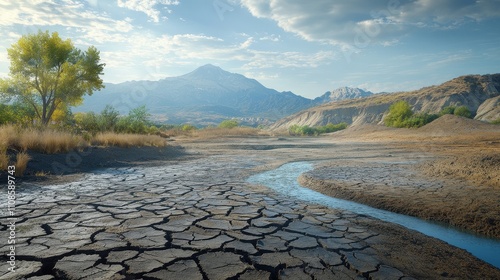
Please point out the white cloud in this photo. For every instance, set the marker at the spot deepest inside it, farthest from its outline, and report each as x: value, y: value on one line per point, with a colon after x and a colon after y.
x: 68, y: 14
x: 247, y: 43
x: 272, y: 37
x: 358, y: 22
x: 147, y: 7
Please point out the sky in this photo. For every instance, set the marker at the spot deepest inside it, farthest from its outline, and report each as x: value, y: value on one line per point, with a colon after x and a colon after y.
x: 307, y: 47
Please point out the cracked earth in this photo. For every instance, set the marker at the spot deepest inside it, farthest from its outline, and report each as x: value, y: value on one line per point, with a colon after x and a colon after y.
x: 199, y: 219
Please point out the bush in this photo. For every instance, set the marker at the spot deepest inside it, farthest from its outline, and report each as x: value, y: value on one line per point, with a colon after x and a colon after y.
x: 497, y: 121
x: 463, y: 111
x: 401, y: 115
x: 188, y: 127
x: 88, y: 122
x: 228, y: 124
x: 418, y: 120
x: 307, y: 130
x: 450, y: 110
x: 108, y: 118
x: 399, y: 112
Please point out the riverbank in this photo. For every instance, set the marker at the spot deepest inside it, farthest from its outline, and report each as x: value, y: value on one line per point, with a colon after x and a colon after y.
x: 445, y: 175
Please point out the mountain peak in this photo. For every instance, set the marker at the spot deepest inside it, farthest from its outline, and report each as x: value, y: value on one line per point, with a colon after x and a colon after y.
x: 207, y: 71
x: 343, y: 93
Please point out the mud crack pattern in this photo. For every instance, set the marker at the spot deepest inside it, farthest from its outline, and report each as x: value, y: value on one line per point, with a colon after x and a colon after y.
x: 190, y: 220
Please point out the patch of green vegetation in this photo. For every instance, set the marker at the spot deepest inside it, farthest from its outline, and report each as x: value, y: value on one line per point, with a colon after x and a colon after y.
x: 306, y: 130
x: 401, y: 115
x: 462, y: 111
x: 228, y: 124
x: 188, y: 127
x: 137, y: 121
x: 497, y: 121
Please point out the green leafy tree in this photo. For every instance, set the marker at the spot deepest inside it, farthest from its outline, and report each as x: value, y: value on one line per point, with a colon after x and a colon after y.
x: 137, y: 121
x: 46, y: 71
x: 399, y: 112
x: 108, y: 118
x: 228, y: 124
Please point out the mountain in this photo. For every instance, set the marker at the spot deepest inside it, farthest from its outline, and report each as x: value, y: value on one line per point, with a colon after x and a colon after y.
x: 205, y: 96
x: 478, y: 93
x: 342, y: 93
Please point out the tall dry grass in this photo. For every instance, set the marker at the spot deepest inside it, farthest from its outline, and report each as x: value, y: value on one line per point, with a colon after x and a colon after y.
x: 22, y: 160
x: 128, y: 140
x: 4, y: 158
x: 9, y: 135
x: 45, y: 141
x: 49, y: 141
x: 217, y: 132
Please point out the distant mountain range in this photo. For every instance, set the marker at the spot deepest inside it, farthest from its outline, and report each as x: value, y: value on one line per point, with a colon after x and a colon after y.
x: 206, y: 96
x: 479, y: 93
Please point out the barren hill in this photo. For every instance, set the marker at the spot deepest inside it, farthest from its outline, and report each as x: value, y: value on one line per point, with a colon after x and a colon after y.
x: 480, y: 93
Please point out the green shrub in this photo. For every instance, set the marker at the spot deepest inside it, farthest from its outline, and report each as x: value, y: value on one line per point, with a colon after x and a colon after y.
x: 463, y: 111
x: 447, y: 110
x: 135, y: 122
x: 87, y: 122
x: 399, y: 113
x: 497, y: 121
x: 188, y: 127
x: 418, y: 120
x: 307, y: 130
x: 228, y: 124
x: 108, y: 118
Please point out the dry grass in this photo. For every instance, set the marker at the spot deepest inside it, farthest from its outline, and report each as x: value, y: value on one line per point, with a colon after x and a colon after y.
x: 128, y: 140
x: 217, y: 132
x: 4, y: 158
x: 22, y: 160
x: 49, y: 141
x: 8, y: 135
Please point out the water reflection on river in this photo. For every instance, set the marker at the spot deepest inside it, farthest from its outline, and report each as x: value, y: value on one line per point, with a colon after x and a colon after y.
x: 284, y: 180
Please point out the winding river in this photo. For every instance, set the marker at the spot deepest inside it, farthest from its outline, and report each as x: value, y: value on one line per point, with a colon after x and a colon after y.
x: 284, y: 180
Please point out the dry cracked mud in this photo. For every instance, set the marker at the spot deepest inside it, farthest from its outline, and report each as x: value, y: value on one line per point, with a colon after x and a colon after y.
x: 199, y: 219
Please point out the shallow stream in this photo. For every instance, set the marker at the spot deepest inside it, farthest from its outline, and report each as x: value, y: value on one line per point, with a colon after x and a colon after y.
x: 284, y: 180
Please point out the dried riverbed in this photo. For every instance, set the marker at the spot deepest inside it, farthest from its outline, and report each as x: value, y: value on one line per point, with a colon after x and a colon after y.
x: 197, y: 218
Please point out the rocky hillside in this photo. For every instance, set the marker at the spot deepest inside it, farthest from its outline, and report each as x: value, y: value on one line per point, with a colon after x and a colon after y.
x: 480, y: 93
x: 342, y: 93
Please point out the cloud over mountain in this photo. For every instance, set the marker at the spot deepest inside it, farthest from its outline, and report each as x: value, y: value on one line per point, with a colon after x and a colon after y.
x: 383, y: 21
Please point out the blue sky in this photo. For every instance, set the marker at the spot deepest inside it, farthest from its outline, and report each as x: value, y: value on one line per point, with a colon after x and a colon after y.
x: 307, y: 47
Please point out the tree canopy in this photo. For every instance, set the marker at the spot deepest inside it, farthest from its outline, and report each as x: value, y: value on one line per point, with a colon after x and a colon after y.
x: 48, y: 73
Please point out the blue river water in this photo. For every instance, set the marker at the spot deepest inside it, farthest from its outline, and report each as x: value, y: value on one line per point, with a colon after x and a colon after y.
x: 284, y: 180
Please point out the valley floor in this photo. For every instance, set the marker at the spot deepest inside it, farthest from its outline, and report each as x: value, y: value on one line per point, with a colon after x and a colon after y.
x: 210, y: 224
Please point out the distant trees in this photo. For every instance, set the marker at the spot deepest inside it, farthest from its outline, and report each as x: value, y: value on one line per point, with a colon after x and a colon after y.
x: 306, y: 130
x: 228, y: 124
x: 401, y: 115
x: 48, y: 73
x: 137, y: 121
